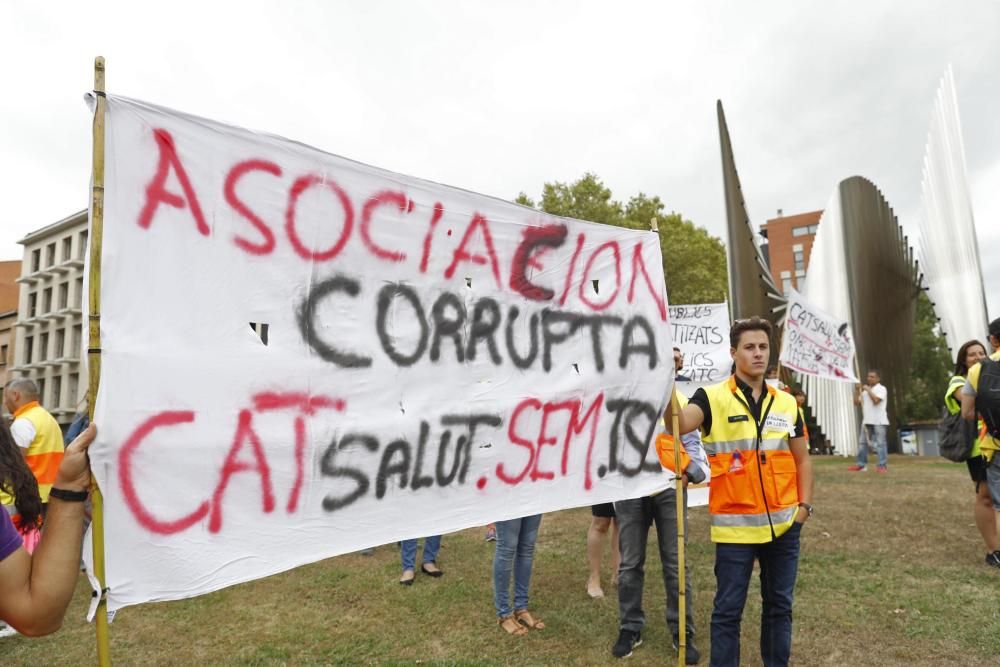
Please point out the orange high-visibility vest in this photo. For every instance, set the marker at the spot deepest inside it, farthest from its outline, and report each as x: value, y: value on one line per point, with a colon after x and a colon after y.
x: 753, y: 493
x: 45, y: 452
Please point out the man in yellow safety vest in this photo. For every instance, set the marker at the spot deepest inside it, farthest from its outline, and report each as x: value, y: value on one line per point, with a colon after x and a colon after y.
x: 759, y: 495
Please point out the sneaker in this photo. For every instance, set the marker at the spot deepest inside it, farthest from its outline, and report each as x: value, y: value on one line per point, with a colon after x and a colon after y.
x: 691, y: 653
x: 491, y: 534
x: 857, y: 468
x: 627, y: 640
x: 882, y: 469
x: 993, y: 559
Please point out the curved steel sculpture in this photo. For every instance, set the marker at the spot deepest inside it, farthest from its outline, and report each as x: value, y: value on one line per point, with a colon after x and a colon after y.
x: 861, y: 270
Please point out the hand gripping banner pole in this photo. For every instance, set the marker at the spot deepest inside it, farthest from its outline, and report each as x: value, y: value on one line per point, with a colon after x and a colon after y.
x: 675, y: 408
x: 94, y: 347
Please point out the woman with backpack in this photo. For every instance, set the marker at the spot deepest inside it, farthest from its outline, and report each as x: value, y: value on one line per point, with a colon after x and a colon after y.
x: 971, y: 353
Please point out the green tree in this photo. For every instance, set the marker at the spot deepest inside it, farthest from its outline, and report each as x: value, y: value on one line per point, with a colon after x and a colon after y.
x: 931, y: 367
x: 694, y: 261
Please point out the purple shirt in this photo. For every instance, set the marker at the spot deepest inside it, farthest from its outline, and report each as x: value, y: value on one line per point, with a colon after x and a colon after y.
x: 10, y: 539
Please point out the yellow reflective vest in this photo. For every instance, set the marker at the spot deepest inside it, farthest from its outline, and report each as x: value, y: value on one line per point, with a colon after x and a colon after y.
x: 45, y: 452
x: 753, y: 494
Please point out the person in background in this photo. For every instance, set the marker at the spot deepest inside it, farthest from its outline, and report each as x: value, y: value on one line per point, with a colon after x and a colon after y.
x: 428, y: 564
x: 602, y: 519
x: 970, y: 354
x: 989, y: 443
x: 800, y: 400
x: 874, y: 422
x: 36, y: 432
x: 678, y: 365
x: 635, y: 516
x: 515, y: 554
x: 36, y: 589
x: 773, y: 378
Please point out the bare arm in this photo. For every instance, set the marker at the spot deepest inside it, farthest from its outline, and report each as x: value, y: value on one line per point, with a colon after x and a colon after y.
x: 36, y: 589
x: 804, y: 470
x: 857, y: 395
x: 968, y: 407
x: 690, y: 418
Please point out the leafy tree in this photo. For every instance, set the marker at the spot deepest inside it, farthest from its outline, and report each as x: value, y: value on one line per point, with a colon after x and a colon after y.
x: 694, y: 262
x: 932, y: 366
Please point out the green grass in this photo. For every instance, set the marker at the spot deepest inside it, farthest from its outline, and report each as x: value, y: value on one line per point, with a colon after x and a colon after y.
x: 891, y: 574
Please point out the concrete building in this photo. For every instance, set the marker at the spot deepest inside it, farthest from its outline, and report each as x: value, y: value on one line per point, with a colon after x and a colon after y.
x: 789, y: 243
x: 49, y: 336
x: 9, y: 291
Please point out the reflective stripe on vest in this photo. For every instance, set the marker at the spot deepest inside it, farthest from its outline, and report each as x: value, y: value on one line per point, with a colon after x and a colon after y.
x: 756, y: 501
x: 45, y: 452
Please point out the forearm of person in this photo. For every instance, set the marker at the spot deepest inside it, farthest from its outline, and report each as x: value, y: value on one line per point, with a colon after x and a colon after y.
x: 689, y: 418
x: 968, y: 407
x: 698, y: 469
x: 55, y: 565
x: 804, y: 471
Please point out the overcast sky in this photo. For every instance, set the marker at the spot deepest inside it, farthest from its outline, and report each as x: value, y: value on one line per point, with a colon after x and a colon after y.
x: 499, y: 97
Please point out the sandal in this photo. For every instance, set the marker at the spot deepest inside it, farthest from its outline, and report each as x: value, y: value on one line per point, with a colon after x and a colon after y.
x: 511, y: 626
x: 527, y: 619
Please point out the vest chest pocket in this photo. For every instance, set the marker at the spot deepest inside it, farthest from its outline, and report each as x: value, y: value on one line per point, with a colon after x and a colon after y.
x: 784, y: 478
x: 733, y: 491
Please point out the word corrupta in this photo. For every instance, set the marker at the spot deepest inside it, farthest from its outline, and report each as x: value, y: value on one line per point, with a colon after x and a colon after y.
x: 470, y: 331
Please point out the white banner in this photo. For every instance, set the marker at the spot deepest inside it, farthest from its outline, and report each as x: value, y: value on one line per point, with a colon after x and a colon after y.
x: 305, y: 356
x: 816, y: 343
x: 701, y: 331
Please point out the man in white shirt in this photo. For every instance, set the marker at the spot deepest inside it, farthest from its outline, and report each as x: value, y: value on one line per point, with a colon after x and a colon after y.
x: 874, y: 421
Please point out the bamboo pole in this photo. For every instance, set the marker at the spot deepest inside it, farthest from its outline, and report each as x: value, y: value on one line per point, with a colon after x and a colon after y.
x: 679, y: 503
x: 94, y: 348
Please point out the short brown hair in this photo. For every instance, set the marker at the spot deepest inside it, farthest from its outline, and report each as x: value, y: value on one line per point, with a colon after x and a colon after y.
x: 749, y: 324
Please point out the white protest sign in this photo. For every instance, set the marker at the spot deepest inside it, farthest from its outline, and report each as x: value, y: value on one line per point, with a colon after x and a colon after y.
x: 435, y: 359
x: 701, y: 331
x: 816, y: 343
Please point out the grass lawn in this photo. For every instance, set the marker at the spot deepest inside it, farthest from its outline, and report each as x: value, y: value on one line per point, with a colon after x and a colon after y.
x: 891, y: 573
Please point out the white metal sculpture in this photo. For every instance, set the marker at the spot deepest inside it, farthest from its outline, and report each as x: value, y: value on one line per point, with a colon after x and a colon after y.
x: 949, y: 250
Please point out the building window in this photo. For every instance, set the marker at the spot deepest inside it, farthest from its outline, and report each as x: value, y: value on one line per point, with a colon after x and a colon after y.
x: 43, y: 347
x: 786, y: 285
x: 78, y: 300
x: 77, y: 342
x: 63, y: 295
x: 47, y: 300
x: 29, y: 344
x: 805, y: 231
x: 50, y: 254
x: 36, y: 260
x: 800, y: 260
x: 41, y: 389
x: 56, y: 391
x: 67, y: 249
x: 60, y: 350
x: 3, y: 355
x: 81, y: 251
x: 32, y: 304
x: 74, y: 387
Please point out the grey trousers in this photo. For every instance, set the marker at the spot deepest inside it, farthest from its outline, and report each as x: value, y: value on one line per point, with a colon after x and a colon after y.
x: 634, y: 519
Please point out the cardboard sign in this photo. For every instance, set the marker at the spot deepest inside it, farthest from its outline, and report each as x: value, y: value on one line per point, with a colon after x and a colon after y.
x: 816, y: 343
x: 305, y: 356
x: 701, y: 331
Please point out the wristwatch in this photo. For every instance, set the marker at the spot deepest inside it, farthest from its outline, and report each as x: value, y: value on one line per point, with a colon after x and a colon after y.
x: 807, y: 507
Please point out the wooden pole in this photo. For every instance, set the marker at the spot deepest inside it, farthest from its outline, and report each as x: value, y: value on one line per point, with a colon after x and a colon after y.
x: 94, y: 348
x: 675, y: 408
x: 679, y: 486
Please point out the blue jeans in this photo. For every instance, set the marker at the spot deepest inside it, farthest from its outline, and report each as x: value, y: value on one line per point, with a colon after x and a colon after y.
x: 876, y: 435
x: 779, y: 564
x: 408, y: 550
x: 634, y: 519
x: 515, y: 551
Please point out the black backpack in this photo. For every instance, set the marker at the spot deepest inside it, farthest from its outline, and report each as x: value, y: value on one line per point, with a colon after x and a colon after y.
x: 988, y: 395
x: 956, y: 436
